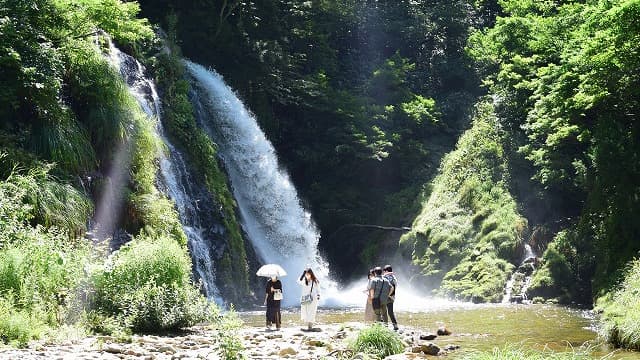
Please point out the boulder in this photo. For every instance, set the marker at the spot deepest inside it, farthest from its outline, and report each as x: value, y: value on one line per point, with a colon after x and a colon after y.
x: 443, y: 331
x: 166, y: 349
x: 287, y: 351
x: 316, y: 343
x: 451, y: 347
x: 428, y: 336
x: 427, y: 348
x: 113, y: 349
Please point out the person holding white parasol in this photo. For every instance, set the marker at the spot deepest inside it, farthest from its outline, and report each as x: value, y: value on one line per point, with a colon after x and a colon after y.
x: 273, y: 293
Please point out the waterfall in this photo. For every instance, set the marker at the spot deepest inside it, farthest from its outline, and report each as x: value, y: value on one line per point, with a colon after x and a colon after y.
x: 279, y: 228
x: 193, y: 202
x: 521, y: 278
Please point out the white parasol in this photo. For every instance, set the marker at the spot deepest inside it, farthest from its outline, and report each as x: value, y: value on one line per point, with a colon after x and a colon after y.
x: 270, y: 270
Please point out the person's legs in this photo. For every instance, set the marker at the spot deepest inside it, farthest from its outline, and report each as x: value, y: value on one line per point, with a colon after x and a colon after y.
x: 392, y: 315
x: 383, y: 313
x: 378, y: 313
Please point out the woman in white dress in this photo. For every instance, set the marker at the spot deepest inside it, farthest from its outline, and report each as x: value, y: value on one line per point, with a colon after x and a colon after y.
x: 369, y: 315
x: 310, y: 297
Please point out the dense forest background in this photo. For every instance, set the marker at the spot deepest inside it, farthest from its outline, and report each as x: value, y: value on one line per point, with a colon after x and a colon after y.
x: 362, y: 100
x: 483, y: 126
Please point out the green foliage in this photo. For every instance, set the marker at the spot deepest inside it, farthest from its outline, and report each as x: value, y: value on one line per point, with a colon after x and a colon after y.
x: 478, y: 279
x: 565, y: 76
x: 229, y: 342
x: 46, y: 46
x: 53, y: 203
x: 377, y: 340
x: 512, y: 352
x: 18, y: 327
x: 146, y: 286
x: 469, y: 228
x: 359, y: 98
x: 41, y: 271
x: 116, y: 17
x: 621, y: 310
x: 557, y: 278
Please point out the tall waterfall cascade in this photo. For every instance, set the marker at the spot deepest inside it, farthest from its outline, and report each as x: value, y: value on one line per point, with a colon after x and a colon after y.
x: 279, y: 228
x: 174, y: 180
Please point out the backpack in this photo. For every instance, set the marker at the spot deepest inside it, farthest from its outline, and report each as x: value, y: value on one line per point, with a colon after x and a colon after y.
x: 393, y: 281
x: 383, y: 293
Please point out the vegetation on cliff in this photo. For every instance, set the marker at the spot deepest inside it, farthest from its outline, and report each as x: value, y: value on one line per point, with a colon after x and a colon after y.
x: 365, y: 102
x: 565, y: 77
x: 65, y: 112
x: 469, y: 231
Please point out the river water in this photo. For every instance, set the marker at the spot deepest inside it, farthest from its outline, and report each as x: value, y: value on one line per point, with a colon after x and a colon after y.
x: 482, y: 327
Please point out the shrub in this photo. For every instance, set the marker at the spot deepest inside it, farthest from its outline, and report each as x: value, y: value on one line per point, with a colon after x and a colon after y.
x: 147, y: 286
x: 377, y: 340
x: 480, y: 279
x: 17, y: 326
x: 228, y: 338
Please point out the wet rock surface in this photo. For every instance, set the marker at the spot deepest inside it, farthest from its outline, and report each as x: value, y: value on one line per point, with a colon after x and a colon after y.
x: 325, y: 342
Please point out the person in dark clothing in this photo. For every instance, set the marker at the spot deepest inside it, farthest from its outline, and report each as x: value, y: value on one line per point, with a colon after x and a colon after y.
x: 272, y: 300
x: 379, y: 288
x: 388, y: 274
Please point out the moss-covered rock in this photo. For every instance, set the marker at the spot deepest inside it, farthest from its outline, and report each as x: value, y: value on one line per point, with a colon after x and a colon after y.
x: 554, y: 279
x: 469, y: 229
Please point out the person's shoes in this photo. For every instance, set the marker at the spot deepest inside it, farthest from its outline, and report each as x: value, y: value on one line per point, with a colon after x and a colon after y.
x: 395, y: 327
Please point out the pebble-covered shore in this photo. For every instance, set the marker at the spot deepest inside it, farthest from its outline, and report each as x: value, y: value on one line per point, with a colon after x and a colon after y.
x: 325, y: 342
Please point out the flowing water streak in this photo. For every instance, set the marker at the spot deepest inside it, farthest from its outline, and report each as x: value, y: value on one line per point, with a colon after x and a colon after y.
x: 278, y: 226
x: 521, y: 276
x: 174, y: 174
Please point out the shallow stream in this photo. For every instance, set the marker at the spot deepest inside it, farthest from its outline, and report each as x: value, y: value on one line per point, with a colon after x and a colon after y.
x: 482, y: 327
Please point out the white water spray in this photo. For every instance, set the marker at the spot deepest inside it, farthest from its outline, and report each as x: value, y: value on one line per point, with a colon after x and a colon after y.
x: 278, y: 226
x: 174, y: 175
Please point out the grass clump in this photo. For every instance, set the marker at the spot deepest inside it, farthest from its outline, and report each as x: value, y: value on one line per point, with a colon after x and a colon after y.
x: 556, y: 277
x: 621, y: 310
x: 511, y: 352
x: 377, y: 340
x: 146, y: 287
x: 469, y: 230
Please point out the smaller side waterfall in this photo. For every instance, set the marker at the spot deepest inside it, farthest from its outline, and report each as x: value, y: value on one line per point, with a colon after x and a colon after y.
x: 194, y: 204
x: 518, y: 283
